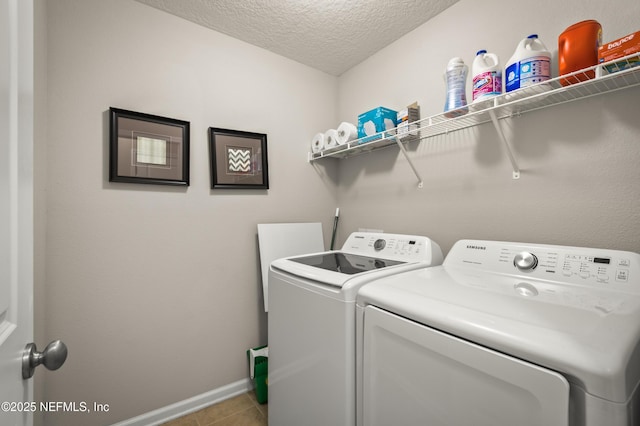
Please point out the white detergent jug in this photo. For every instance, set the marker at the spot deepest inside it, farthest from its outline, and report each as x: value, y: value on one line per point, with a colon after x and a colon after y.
x: 455, y: 78
x: 529, y: 65
x: 487, y: 76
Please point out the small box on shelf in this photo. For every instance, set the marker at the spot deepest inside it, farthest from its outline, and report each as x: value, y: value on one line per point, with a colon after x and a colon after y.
x: 624, y: 46
x: 372, y: 123
x: 407, y: 130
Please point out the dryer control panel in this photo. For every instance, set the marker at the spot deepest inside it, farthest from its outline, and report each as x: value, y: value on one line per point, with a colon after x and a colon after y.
x: 575, y: 265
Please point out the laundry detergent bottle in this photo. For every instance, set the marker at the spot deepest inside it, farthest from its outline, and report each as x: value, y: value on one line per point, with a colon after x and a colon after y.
x: 487, y: 76
x: 578, y: 49
x: 529, y: 65
x: 456, y: 80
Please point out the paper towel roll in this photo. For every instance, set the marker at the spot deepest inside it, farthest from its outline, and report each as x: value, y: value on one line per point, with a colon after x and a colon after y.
x: 330, y: 138
x: 317, y: 143
x: 347, y: 132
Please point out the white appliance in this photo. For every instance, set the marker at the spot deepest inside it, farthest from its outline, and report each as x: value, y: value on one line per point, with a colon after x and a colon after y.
x: 503, y: 334
x: 312, y: 323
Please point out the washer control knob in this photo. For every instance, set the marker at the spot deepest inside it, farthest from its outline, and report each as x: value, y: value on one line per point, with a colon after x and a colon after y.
x: 525, y: 261
x: 379, y: 244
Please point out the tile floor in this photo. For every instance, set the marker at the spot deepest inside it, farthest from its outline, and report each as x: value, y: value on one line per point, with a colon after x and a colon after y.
x: 242, y: 410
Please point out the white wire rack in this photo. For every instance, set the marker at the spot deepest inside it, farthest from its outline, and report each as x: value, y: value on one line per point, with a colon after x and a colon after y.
x: 581, y: 84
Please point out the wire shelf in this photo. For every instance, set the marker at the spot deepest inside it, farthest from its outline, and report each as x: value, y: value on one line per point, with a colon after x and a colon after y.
x: 592, y: 81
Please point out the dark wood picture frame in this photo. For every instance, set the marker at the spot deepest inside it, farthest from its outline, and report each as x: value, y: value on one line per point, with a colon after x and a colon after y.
x: 145, y: 148
x: 238, y: 159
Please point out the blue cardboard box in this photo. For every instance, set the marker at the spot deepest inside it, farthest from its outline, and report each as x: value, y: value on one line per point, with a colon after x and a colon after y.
x: 371, y: 123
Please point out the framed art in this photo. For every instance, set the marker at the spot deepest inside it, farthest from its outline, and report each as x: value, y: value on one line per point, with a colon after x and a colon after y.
x: 146, y: 148
x: 238, y: 159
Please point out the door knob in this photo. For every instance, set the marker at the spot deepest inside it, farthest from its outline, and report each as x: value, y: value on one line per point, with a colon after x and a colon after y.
x: 53, y: 356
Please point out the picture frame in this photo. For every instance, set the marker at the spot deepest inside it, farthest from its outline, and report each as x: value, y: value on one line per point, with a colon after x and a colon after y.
x: 148, y: 149
x: 238, y: 159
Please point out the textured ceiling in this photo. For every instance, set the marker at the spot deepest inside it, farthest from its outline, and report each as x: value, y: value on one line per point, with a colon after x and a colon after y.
x: 329, y: 35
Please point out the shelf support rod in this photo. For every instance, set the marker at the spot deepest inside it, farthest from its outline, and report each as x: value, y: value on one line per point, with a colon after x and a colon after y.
x: 404, y: 151
x: 514, y: 164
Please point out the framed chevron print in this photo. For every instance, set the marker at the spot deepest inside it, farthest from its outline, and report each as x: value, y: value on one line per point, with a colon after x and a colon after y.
x: 146, y: 148
x: 238, y: 159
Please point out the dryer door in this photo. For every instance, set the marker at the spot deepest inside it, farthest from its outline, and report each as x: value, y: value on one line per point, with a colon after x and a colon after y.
x: 416, y: 375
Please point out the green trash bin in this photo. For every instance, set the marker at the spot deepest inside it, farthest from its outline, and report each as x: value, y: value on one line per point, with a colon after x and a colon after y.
x: 259, y: 368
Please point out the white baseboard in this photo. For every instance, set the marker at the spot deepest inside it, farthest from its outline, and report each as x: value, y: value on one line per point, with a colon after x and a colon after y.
x: 190, y: 405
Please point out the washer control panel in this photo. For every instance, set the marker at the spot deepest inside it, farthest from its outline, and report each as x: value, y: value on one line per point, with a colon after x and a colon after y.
x: 576, y: 265
x: 408, y: 248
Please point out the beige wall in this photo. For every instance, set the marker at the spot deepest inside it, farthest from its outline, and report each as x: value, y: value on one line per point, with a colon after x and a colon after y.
x: 155, y: 289
x: 580, y: 174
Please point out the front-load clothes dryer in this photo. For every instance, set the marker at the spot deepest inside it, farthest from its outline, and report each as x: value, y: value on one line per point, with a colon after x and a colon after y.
x: 312, y: 330
x: 503, y: 334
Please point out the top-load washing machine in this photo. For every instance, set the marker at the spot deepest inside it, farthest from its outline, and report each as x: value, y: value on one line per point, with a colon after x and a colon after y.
x: 503, y: 334
x: 312, y: 323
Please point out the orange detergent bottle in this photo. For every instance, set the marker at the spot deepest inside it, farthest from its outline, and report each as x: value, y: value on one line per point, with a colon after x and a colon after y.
x: 578, y: 49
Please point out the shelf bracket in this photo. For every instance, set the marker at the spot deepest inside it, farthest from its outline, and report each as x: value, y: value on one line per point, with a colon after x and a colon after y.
x: 404, y: 151
x: 514, y: 164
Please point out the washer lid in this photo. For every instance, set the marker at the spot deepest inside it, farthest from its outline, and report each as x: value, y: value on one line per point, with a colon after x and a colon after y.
x: 589, y: 333
x: 345, y: 263
x: 363, y: 257
x: 337, y: 268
